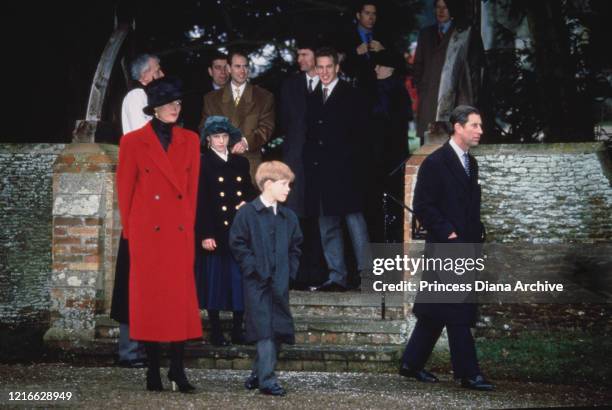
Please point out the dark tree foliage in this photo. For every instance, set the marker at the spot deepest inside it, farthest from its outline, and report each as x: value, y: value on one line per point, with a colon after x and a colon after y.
x: 550, y: 91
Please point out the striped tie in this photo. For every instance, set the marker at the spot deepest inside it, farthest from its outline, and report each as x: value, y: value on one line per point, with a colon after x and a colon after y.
x: 466, y: 163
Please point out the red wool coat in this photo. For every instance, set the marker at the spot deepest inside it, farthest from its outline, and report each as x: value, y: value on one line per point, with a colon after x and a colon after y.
x: 157, y: 199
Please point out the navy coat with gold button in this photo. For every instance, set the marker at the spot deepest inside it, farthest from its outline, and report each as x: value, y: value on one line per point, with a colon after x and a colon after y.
x: 223, y: 186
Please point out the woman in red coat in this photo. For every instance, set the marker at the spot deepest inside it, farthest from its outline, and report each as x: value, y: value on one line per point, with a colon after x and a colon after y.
x: 157, y: 180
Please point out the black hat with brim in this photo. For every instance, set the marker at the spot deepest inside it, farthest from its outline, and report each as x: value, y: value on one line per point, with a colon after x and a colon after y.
x: 161, y: 92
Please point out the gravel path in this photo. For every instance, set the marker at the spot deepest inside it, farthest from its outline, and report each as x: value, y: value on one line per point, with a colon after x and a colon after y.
x: 115, y: 388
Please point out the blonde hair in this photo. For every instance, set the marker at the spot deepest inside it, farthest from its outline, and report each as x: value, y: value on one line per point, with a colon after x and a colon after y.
x: 272, y: 171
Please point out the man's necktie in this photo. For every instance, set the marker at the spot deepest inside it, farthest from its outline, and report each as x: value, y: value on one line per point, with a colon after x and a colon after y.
x: 466, y: 163
x: 309, y: 85
x: 237, y: 96
x: 325, y: 92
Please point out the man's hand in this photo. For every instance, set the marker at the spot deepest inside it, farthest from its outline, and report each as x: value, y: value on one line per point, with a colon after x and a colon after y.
x: 362, y: 49
x: 240, y: 204
x: 239, y: 148
x: 453, y: 235
x: 376, y: 46
x: 209, y: 244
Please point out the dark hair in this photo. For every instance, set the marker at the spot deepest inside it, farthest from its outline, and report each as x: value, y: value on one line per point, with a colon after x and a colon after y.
x: 234, y: 53
x: 216, y: 56
x: 460, y: 115
x: 359, y: 5
x: 327, y: 52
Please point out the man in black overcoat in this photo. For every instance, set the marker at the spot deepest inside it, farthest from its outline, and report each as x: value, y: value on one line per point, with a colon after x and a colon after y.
x: 447, y: 203
x: 292, y: 113
x: 361, y: 45
x: 335, y: 167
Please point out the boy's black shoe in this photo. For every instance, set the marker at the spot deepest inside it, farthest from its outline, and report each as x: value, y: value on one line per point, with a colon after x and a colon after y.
x: 251, y: 383
x: 477, y: 383
x: 275, y: 390
x: 421, y: 375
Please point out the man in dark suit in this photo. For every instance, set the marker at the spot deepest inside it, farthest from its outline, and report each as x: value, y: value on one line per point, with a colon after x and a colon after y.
x: 333, y: 156
x: 292, y: 110
x: 248, y: 107
x: 447, y: 203
x: 361, y: 46
x: 193, y: 102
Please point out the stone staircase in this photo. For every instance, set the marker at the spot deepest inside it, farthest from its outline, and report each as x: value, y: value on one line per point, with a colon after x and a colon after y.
x: 333, y: 331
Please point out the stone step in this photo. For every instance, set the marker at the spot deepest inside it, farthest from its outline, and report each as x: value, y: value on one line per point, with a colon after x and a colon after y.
x: 306, y: 357
x: 310, y: 330
x: 346, y: 304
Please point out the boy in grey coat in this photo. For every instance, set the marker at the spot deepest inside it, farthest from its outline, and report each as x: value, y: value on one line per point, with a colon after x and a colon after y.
x: 265, y: 238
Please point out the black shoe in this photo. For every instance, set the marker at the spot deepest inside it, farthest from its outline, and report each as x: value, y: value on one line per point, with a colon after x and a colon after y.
x: 477, y: 383
x: 180, y: 382
x: 154, y: 382
x: 251, y: 383
x: 133, y: 364
x: 329, y: 287
x: 275, y: 390
x: 421, y: 375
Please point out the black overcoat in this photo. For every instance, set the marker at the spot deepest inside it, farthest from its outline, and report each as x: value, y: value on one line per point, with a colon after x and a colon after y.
x: 293, y: 127
x: 446, y: 200
x: 222, y: 187
x: 334, y: 155
x: 266, y: 247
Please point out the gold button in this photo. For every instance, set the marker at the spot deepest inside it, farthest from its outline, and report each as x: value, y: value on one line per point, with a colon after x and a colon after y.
x: 221, y: 193
x: 221, y: 179
x: 237, y: 206
x: 224, y: 208
x: 238, y: 179
x: 225, y: 223
x: 239, y: 193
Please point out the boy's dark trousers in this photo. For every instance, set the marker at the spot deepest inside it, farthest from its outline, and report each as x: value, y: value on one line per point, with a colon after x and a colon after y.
x: 265, y: 362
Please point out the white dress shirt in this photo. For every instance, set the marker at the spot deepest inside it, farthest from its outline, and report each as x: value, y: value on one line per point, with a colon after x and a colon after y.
x: 315, y: 81
x: 457, y: 150
x: 240, y: 89
x: 132, y: 116
x: 222, y: 155
x: 330, y: 87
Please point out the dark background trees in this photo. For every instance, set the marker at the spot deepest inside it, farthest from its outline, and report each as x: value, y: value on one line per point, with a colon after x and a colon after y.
x: 552, y: 89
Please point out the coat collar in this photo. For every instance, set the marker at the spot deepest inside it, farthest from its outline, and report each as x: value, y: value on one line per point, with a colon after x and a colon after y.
x: 455, y: 166
x: 159, y: 156
x: 259, y: 206
x: 228, y: 97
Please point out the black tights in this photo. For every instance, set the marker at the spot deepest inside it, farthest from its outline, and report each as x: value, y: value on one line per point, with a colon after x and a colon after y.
x: 177, y: 353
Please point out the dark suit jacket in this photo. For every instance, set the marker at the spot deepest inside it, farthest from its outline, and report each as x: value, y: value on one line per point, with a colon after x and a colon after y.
x: 361, y: 67
x: 446, y: 200
x: 293, y: 127
x: 254, y: 115
x: 333, y: 154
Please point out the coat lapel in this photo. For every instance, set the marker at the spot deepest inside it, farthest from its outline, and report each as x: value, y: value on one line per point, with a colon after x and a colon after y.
x: 244, y: 105
x: 455, y: 166
x: 160, y: 157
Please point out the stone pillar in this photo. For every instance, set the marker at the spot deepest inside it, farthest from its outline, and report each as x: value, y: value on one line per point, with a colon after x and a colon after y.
x: 410, y: 177
x: 85, y: 233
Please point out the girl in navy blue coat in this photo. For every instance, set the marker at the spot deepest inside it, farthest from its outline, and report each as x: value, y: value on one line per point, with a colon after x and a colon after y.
x: 225, y: 184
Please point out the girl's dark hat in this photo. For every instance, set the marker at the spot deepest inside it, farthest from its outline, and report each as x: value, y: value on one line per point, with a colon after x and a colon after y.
x: 161, y: 92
